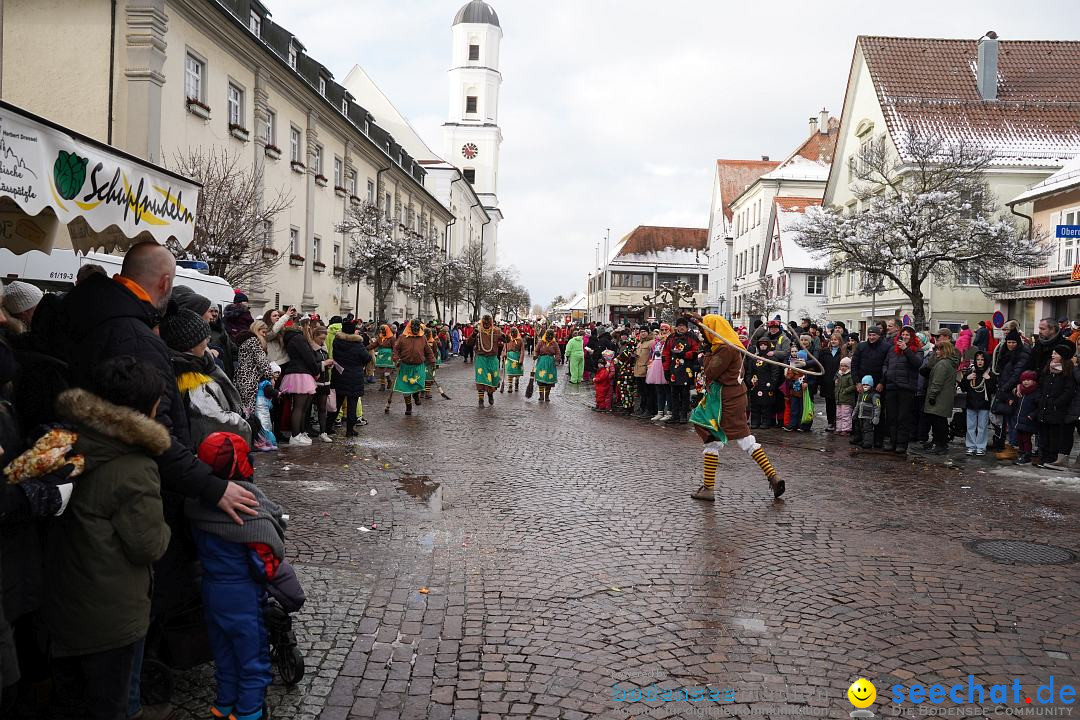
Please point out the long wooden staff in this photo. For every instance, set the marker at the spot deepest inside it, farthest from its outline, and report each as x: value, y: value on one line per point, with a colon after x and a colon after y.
x: 719, y: 338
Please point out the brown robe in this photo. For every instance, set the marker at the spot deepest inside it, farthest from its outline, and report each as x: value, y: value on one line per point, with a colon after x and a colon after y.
x: 413, y: 350
x: 724, y: 366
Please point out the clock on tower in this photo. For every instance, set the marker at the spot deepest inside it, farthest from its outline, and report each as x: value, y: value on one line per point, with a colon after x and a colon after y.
x: 470, y: 151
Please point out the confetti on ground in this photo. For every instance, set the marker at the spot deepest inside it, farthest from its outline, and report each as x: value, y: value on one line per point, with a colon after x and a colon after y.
x: 373, y: 492
x: 326, y: 514
x: 424, y: 591
x: 363, y: 529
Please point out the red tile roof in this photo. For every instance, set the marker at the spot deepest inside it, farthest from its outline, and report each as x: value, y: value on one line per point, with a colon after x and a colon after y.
x: 819, y: 147
x: 795, y: 204
x: 651, y: 238
x: 929, y: 86
x: 737, y: 175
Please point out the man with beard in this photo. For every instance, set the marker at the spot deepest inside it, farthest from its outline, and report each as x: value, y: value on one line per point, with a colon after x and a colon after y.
x: 1050, y: 336
x: 772, y: 331
x: 488, y: 343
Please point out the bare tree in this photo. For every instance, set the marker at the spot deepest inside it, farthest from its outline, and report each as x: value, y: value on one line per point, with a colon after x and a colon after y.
x: 764, y: 300
x: 927, y: 212
x: 232, y: 225
x: 477, y: 281
x: 380, y: 252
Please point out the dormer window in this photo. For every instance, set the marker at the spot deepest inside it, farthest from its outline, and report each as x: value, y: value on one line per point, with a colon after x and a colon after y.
x: 293, y: 53
x: 322, y: 86
x: 255, y: 23
x: 345, y: 105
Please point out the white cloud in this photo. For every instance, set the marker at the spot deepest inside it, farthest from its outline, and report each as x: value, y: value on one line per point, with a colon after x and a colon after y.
x: 613, y: 111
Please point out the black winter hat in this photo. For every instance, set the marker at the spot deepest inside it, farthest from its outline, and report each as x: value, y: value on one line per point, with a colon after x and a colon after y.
x: 183, y: 330
x: 192, y: 301
x: 1065, y: 351
x: 1013, y: 335
x: 239, y: 297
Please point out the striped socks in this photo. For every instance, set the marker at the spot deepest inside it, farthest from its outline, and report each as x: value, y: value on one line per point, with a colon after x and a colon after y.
x: 480, y: 397
x: 763, y: 462
x: 711, y: 461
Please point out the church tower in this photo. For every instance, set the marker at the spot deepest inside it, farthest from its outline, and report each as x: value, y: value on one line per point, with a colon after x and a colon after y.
x: 472, y: 134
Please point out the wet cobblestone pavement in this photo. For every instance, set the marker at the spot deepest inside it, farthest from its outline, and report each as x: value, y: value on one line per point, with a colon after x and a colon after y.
x: 525, y: 559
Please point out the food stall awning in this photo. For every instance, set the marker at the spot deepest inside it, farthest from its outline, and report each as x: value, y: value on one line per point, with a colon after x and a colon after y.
x: 59, y: 188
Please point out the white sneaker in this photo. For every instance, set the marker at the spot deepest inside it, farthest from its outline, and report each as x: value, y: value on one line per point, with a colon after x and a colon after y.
x: 301, y: 439
x: 657, y: 416
x: 325, y: 438
x: 667, y: 416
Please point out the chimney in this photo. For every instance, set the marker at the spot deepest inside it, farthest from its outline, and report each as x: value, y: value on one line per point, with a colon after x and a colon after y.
x: 986, y: 67
x: 765, y: 158
x: 813, y: 125
x: 823, y: 122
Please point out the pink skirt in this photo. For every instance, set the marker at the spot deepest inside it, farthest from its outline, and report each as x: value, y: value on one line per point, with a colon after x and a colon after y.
x: 298, y: 384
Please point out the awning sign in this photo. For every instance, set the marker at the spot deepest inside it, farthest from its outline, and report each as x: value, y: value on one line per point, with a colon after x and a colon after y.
x: 44, y: 167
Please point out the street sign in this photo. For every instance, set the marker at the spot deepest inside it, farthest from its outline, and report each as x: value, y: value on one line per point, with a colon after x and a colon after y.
x: 999, y: 319
x: 1068, y: 231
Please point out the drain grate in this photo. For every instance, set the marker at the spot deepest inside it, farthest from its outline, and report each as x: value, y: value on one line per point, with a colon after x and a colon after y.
x: 1022, y: 553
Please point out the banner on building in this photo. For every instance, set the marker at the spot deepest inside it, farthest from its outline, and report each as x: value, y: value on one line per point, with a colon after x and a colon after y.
x: 55, y: 182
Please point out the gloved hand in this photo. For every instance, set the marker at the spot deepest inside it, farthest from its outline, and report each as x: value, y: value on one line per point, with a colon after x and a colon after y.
x: 49, y: 494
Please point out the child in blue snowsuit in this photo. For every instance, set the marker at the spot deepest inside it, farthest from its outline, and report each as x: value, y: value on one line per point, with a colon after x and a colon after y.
x: 238, y: 563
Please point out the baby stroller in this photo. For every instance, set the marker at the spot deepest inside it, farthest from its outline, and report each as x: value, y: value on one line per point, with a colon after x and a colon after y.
x: 177, y: 641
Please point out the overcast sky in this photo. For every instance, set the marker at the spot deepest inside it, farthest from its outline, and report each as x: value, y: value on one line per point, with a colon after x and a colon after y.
x: 614, y: 111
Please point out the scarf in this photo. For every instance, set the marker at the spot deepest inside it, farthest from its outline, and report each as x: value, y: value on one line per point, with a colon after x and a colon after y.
x: 1020, y: 388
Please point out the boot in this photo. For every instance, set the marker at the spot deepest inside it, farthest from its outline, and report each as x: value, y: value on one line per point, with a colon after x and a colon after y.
x: 491, y: 398
x: 1009, y: 453
x: 417, y: 399
x: 1022, y: 459
x: 704, y: 493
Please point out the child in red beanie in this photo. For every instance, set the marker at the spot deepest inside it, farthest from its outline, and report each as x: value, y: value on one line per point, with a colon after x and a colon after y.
x: 239, y: 564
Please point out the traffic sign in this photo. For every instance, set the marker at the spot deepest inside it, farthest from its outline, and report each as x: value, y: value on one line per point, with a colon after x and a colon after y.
x: 999, y: 319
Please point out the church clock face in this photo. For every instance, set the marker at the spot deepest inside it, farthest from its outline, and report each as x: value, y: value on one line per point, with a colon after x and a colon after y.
x: 470, y: 151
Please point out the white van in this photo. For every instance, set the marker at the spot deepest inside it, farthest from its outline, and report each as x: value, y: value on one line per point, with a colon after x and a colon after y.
x: 55, y: 272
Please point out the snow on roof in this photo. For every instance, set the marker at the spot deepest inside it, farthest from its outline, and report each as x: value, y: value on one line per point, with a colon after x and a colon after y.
x: 656, y: 244
x: 735, y: 176
x: 928, y: 86
x: 788, y: 212
x: 1067, y: 178
x: 374, y: 100
x: 799, y: 168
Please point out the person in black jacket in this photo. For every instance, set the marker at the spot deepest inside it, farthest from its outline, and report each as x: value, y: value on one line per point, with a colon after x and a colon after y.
x: 763, y: 385
x: 1009, y: 360
x: 830, y: 356
x: 1049, y: 339
x: 298, y: 377
x: 1057, y: 406
x: 111, y: 317
x: 979, y: 386
x: 869, y: 359
x: 351, y: 353
x: 901, y: 375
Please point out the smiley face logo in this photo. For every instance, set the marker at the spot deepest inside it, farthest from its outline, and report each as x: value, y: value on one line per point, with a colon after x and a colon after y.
x: 862, y: 693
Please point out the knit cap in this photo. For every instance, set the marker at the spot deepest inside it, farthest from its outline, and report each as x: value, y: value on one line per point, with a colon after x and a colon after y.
x: 239, y: 297
x: 867, y: 380
x: 185, y: 297
x: 845, y: 361
x: 227, y: 455
x: 1013, y: 335
x: 183, y: 330
x: 20, y: 297
x: 1029, y: 375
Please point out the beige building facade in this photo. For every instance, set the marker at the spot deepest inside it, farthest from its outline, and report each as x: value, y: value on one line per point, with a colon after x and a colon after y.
x: 900, y: 85
x: 164, y: 77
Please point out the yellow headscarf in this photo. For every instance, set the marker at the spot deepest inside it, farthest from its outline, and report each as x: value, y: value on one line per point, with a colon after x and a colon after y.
x: 722, y: 328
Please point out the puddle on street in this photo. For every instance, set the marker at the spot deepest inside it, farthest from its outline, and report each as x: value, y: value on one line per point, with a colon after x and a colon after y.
x: 422, y: 488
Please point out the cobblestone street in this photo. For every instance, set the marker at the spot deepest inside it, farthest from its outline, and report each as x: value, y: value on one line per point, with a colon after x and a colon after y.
x: 522, y: 560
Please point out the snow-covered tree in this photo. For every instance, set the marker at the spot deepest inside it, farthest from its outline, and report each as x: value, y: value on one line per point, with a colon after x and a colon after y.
x: 382, y: 253
x: 926, y: 213
x: 232, y: 221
